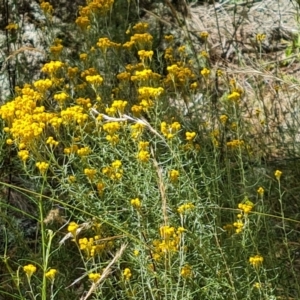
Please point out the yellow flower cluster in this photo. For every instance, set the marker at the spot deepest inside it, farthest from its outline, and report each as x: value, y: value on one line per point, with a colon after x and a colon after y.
x: 261, y: 191
x: 174, y: 174
x: 223, y: 119
x: 143, y: 55
x: 42, y: 166
x: 143, y: 154
x: 23, y: 155
x: 238, y: 225
x: 50, y: 141
x: 92, y: 246
x: 145, y: 75
x: 117, y: 106
x: 90, y: 173
x: 169, y: 131
x: 234, y: 96
x: 52, y: 67
x: 179, y: 76
x: 278, y: 174
x: 189, y: 136
x: 169, y: 242
x: 57, y: 47
x: 29, y: 269
x: 72, y: 149
x: 105, y: 43
x: 127, y: 274
x: 140, y: 40
x: 61, y: 97
x: 186, y: 271
x: 51, y: 274
x: 72, y: 228
x: 235, y: 144
x: 46, y: 7
x: 94, y: 79
x: 84, y: 151
x: 246, y: 207
x: 140, y: 27
x: 256, y: 261
x: 136, y: 203
x: 93, y: 6
x: 185, y: 208
x: 137, y: 130
x: 260, y: 37
x: 94, y: 277
x: 11, y: 26
x: 146, y: 96
x: 43, y: 85
x: 73, y: 114
x: 114, y: 172
x: 205, y: 72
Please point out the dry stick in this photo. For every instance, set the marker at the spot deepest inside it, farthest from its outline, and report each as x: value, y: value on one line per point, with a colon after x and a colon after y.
x: 105, y: 273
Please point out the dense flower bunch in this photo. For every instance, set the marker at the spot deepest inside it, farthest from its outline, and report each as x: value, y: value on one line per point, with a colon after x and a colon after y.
x: 169, y: 242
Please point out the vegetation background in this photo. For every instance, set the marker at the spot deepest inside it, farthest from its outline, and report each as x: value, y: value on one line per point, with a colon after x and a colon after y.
x: 149, y: 149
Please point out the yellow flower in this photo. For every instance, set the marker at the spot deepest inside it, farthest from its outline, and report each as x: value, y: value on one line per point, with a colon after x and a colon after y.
x: 83, y: 56
x: 84, y: 151
x: 94, y: 79
x: 136, y: 252
x: 143, y: 156
x: 246, y: 207
x: 205, y: 72
x: 94, y: 277
x: 42, y: 166
x: 29, y: 270
x: 136, y: 203
x: 260, y: 37
x: 234, y: 96
x: 100, y: 188
x: 127, y: 274
x: 186, y: 271
x: 51, y: 274
x: 47, y: 8
x: 174, y: 174
x: 143, y: 145
x: 256, y: 260
x: 260, y: 191
x: 223, y: 119
x: 204, y: 35
x: 189, y: 136
x: 11, y: 26
x: 185, y: 207
x: 278, y: 174
x: 239, y: 225
x: 72, y: 228
x: 90, y: 173
x: 23, y: 154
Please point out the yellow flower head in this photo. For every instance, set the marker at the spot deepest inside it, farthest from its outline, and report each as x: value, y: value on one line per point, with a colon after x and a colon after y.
x: 186, y: 271
x: 205, y: 72
x: 278, y: 174
x: 174, y: 174
x: 256, y: 261
x: 51, y: 274
x: 127, y: 274
x: 260, y: 191
x: 136, y: 203
x: 94, y: 277
x: 29, y: 270
x: 72, y: 228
